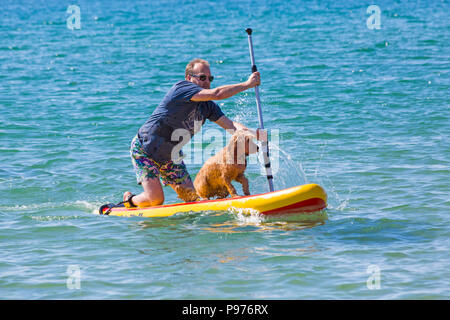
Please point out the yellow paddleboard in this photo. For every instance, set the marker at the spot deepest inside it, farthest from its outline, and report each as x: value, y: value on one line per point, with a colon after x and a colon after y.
x: 298, y: 199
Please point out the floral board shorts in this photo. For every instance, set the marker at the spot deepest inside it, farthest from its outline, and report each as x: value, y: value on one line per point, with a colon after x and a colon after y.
x: 147, y: 168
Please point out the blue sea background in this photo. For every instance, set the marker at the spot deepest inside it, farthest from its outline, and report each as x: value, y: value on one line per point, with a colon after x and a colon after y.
x: 363, y: 112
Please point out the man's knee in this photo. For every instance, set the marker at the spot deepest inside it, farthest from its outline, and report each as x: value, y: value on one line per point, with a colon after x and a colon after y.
x: 153, y: 193
x: 154, y: 199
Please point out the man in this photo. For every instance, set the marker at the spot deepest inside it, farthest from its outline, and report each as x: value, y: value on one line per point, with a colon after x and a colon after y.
x: 188, y: 102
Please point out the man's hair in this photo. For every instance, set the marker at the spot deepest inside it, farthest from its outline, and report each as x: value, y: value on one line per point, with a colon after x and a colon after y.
x: 191, y: 65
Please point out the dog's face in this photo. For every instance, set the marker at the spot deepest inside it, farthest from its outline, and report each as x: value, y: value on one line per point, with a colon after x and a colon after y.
x: 242, y: 143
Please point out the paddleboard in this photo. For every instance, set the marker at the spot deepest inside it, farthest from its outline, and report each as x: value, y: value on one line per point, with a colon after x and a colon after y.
x: 298, y: 199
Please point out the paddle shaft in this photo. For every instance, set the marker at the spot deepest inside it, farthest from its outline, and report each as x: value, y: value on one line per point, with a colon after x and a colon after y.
x: 264, y: 143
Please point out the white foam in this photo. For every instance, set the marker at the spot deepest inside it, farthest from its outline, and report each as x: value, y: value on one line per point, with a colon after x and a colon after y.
x: 79, y: 204
x: 247, y: 215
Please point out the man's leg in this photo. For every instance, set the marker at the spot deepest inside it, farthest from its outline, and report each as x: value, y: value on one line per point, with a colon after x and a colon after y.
x: 147, y: 175
x: 177, y: 176
x: 153, y: 194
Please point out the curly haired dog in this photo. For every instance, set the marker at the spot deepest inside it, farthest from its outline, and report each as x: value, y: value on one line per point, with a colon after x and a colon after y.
x: 214, y: 178
x: 186, y: 194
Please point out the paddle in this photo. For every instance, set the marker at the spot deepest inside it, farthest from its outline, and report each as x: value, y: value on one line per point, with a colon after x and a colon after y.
x: 264, y: 143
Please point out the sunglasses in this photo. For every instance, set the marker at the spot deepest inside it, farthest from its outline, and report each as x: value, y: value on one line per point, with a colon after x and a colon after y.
x: 202, y: 77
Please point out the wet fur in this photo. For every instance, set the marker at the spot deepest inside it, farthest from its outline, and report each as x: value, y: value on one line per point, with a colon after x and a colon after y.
x: 186, y: 194
x: 214, y: 178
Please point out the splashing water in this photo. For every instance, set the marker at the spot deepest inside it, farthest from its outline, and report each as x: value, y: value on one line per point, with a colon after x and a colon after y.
x: 286, y: 172
x: 247, y: 216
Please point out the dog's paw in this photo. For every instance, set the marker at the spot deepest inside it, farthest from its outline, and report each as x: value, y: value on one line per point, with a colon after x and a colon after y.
x: 187, y: 194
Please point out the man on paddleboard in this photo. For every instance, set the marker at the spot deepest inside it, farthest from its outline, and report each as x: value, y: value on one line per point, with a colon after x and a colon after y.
x: 187, y: 104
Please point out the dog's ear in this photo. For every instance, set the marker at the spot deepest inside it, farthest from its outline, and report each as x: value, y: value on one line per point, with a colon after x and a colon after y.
x: 242, y: 146
x: 231, y: 148
x: 236, y: 149
x: 250, y: 146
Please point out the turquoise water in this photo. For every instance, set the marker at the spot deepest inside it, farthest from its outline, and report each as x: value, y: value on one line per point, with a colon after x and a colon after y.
x: 362, y: 112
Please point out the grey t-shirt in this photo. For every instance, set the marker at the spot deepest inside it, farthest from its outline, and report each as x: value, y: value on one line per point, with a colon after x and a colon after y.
x: 176, y: 111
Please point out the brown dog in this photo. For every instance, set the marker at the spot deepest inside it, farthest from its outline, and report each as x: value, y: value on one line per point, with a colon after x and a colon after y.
x: 214, y: 178
x: 186, y: 194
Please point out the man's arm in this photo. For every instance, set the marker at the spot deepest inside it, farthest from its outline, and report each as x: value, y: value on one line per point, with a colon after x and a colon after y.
x: 232, y: 126
x: 227, y: 91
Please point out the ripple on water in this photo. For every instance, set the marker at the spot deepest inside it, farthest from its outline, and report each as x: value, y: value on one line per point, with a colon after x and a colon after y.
x: 361, y: 112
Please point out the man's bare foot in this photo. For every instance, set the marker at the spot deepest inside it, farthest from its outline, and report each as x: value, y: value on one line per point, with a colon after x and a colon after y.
x: 126, y: 195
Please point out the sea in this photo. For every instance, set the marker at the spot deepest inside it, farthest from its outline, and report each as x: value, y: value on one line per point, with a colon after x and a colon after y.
x: 354, y: 96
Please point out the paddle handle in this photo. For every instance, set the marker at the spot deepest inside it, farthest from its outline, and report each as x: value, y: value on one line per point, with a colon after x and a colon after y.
x: 254, y: 69
x: 264, y: 144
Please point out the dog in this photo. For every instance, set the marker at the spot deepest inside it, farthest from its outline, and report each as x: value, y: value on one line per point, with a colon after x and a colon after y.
x: 186, y: 194
x: 214, y: 178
